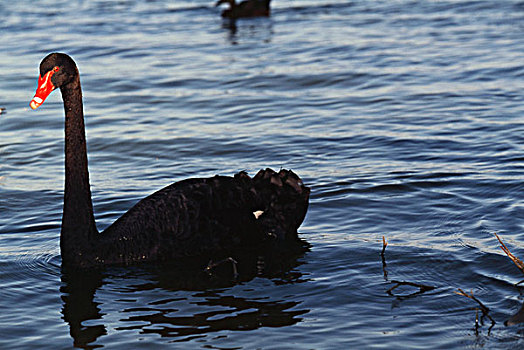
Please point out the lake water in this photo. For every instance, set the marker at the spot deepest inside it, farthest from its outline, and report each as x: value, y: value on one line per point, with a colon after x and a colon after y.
x: 406, y: 119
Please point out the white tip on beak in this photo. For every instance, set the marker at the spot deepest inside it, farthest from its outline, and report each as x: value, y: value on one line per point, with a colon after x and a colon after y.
x: 36, y: 102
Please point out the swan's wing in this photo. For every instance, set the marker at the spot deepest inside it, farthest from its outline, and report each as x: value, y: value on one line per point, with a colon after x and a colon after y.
x: 198, y: 217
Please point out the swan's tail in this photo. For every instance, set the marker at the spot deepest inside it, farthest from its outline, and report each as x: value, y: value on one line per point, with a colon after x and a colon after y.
x: 283, y: 199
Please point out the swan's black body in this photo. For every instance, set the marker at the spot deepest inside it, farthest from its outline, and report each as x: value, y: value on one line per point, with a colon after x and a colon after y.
x: 246, y: 8
x: 194, y: 217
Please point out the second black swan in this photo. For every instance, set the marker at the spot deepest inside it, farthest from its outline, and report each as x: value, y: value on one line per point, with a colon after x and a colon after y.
x: 193, y: 217
x: 246, y: 8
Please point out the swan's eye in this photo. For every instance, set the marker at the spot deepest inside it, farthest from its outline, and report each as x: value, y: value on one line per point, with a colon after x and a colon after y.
x: 55, y: 69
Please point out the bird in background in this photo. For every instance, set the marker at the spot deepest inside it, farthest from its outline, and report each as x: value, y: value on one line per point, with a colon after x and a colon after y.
x: 246, y: 8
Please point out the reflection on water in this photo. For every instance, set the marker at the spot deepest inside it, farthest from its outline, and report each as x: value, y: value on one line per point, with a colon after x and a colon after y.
x: 78, y: 293
x: 173, y: 315
x: 256, y: 30
x: 516, y: 318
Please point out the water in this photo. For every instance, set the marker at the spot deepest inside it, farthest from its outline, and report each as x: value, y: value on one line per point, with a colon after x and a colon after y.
x: 406, y: 119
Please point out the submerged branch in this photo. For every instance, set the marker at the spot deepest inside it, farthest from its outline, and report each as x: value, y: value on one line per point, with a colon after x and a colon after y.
x: 384, y: 245
x: 422, y: 287
x: 483, y: 308
x: 513, y: 258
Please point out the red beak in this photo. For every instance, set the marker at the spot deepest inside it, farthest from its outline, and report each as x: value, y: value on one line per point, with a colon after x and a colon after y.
x: 45, y: 86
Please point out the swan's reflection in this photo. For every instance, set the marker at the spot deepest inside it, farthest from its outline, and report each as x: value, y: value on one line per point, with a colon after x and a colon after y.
x: 252, y: 29
x: 78, y: 292
x: 516, y: 318
x: 232, y: 313
x: 178, y: 302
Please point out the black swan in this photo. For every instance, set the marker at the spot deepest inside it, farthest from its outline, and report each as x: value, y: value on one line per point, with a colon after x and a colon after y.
x: 193, y: 217
x: 247, y: 8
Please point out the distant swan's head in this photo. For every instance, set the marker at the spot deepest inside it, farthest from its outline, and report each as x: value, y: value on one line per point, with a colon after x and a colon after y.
x: 220, y: 2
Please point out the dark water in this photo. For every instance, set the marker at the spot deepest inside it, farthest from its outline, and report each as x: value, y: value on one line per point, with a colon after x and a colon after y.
x: 405, y: 117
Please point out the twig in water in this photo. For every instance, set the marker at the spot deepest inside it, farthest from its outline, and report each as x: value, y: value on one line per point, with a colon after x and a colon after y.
x: 422, y: 287
x: 476, y: 321
x: 384, y: 245
x: 483, y: 308
x: 513, y: 258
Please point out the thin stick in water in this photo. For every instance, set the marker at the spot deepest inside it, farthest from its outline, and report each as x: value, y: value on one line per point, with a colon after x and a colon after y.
x: 483, y: 308
x: 513, y: 258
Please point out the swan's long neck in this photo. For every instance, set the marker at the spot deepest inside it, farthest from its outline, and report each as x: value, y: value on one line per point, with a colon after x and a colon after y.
x: 78, y: 223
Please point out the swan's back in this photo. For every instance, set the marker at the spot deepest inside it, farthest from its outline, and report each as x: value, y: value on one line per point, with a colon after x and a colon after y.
x: 198, y: 217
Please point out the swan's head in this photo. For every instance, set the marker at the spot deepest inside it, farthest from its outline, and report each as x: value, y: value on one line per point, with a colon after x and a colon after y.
x: 220, y: 2
x: 56, y: 70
